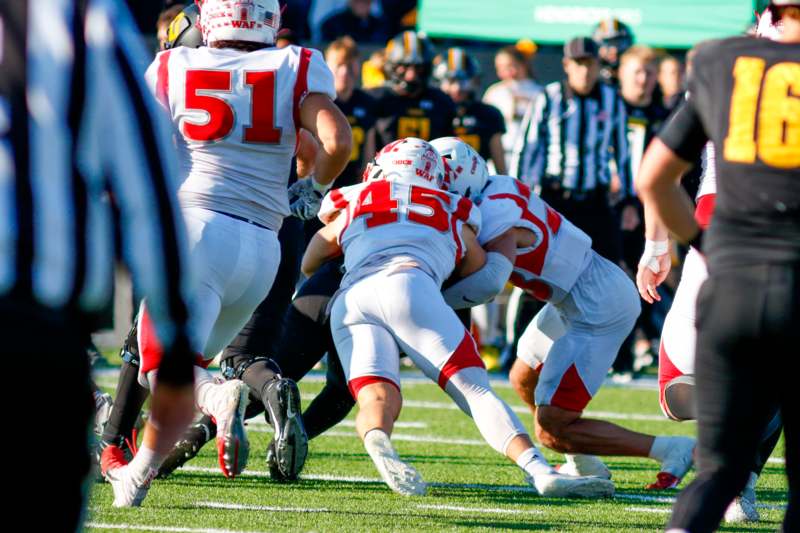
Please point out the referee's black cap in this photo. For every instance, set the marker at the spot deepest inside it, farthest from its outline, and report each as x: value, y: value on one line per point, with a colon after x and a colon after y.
x: 580, y: 48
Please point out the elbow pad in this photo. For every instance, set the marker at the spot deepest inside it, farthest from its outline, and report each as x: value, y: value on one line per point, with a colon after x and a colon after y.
x: 480, y: 286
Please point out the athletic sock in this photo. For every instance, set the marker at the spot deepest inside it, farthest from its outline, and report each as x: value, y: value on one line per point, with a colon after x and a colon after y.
x: 145, y: 464
x: 533, y: 463
x: 660, y: 448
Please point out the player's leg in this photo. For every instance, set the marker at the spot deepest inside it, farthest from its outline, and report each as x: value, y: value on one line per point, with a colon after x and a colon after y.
x: 371, y: 362
x: 735, y: 398
x: 333, y: 403
x: 431, y: 334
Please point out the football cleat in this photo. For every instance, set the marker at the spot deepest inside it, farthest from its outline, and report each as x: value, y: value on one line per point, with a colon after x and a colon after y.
x: 227, y: 403
x: 188, y: 446
x: 103, y: 403
x: 584, y: 465
x: 677, y: 462
x: 557, y: 485
x: 129, y: 490
x: 743, y: 508
x: 401, y: 477
x: 290, y: 444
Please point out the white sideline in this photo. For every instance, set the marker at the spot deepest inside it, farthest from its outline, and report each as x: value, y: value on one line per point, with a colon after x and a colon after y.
x: 243, y: 507
x: 99, y: 525
x: 479, y: 509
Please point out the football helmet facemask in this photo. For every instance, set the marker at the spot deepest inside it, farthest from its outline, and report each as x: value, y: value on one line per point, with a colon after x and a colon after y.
x: 408, y: 50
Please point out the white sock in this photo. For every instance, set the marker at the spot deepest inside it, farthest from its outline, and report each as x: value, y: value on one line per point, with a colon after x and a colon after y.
x: 203, y: 383
x: 533, y: 463
x: 660, y: 448
x: 145, y: 463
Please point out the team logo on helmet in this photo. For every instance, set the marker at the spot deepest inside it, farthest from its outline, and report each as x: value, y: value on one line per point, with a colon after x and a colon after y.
x: 240, y: 20
x: 411, y: 161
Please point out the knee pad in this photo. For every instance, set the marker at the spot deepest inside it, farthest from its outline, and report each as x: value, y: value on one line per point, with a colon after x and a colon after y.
x: 235, y: 367
x: 678, y: 396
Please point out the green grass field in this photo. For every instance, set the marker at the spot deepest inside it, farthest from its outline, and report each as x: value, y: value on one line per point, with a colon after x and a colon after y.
x: 471, y: 487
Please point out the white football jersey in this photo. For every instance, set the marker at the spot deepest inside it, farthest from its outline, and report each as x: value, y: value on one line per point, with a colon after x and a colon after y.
x: 238, y: 115
x: 390, y: 222
x: 550, y: 267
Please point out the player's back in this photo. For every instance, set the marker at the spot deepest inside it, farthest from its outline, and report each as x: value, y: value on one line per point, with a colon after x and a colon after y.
x: 238, y: 114
x: 390, y: 223
x: 551, y: 265
x: 747, y: 94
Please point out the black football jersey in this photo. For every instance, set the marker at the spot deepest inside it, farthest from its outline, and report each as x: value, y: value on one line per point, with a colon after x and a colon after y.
x: 427, y: 116
x: 476, y: 123
x: 642, y: 125
x: 744, y: 95
x: 360, y: 113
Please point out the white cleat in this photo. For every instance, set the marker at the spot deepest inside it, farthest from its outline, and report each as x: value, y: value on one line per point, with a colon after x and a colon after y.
x: 227, y: 403
x: 561, y: 486
x: 584, y: 465
x: 676, y: 464
x: 129, y: 491
x: 398, y: 475
x: 743, y: 508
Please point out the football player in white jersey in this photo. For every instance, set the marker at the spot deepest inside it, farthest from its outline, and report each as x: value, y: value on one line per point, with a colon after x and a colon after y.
x: 238, y: 105
x: 678, y: 338
x: 401, y: 236
x: 567, y: 349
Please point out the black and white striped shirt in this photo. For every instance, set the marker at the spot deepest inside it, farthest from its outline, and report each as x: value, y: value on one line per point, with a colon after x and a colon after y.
x: 81, y: 137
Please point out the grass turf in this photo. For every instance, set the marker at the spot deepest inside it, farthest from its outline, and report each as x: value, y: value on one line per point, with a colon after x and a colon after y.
x: 473, y: 488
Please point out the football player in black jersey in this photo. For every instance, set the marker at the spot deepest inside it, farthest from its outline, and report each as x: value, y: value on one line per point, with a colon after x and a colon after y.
x: 480, y: 125
x: 745, y: 97
x: 407, y: 106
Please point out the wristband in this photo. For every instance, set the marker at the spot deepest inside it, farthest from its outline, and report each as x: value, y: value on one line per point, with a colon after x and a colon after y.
x: 652, y: 250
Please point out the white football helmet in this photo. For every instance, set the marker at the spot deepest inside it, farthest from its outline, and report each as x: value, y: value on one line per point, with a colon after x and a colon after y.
x: 468, y: 172
x: 255, y: 21
x: 411, y: 161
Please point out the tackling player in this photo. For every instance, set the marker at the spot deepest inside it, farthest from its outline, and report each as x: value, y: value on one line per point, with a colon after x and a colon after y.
x: 743, y: 96
x: 566, y: 351
x: 238, y: 104
x: 401, y: 236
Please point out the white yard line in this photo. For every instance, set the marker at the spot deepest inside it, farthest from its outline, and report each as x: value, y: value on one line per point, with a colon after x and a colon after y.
x: 143, y: 527
x: 479, y: 510
x: 395, y: 437
x: 671, y: 500
x: 259, y: 421
x: 243, y: 507
x: 654, y: 510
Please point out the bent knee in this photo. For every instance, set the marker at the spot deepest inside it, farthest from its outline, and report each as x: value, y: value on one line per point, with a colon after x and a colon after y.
x: 553, y: 427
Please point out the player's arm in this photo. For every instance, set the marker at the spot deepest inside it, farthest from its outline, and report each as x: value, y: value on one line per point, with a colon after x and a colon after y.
x: 307, y: 149
x: 483, y: 278
x: 497, y: 153
x: 323, y: 247
x: 320, y: 116
x: 655, y: 262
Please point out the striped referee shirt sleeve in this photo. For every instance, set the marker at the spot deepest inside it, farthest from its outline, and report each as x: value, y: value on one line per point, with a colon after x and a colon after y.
x: 128, y: 137
x: 530, y: 150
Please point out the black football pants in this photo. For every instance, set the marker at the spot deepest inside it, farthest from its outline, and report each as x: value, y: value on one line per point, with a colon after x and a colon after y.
x: 748, y: 322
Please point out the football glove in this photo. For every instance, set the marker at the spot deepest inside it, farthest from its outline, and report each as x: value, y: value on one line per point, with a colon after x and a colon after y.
x: 305, y: 198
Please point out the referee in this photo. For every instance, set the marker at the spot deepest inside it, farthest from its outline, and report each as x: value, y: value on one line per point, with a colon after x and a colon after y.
x: 572, y: 134
x: 745, y: 97
x: 80, y: 142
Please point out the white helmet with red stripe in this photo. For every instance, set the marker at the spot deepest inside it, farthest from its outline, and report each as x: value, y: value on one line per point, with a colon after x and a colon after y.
x: 468, y: 172
x: 411, y: 161
x: 255, y: 21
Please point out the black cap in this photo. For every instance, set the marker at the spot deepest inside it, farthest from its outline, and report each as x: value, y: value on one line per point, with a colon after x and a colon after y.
x: 580, y: 47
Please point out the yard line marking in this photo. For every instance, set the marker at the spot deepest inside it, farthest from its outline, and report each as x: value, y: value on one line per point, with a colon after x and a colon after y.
x: 777, y: 460
x: 479, y: 509
x: 259, y: 421
x: 395, y: 437
x: 99, y: 525
x: 243, y: 507
x: 671, y: 499
x: 360, y: 479
x: 655, y: 510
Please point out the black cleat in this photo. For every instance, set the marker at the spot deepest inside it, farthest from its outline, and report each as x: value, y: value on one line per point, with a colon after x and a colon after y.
x: 188, y: 446
x: 287, y: 452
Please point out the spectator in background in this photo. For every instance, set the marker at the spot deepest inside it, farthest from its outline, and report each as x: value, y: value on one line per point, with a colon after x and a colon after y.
x: 478, y: 124
x: 612, y: 37
x: 638, y: 73
x: 320, y: 10
x: 294, y: 19
x: 571, y: 134
x: 514, y: 92
x: 670, y: 80
x: 372, y: 74
x: 355, y: 21
x: 165, y: 18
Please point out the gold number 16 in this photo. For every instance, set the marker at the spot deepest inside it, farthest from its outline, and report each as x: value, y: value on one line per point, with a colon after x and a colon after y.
x: 777, y: 140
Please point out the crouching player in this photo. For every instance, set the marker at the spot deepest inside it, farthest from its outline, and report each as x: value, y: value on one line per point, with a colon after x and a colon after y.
x: 401, y: 236
x: 567, y: 349
x: 677, y: 350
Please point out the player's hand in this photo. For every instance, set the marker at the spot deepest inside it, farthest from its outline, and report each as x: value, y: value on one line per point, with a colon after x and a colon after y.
x: 647, y: 280
x: 304, y: 199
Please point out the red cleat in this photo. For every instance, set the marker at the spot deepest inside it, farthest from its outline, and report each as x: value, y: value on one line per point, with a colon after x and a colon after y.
x: 111, y: 458
x: 664, y: 481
